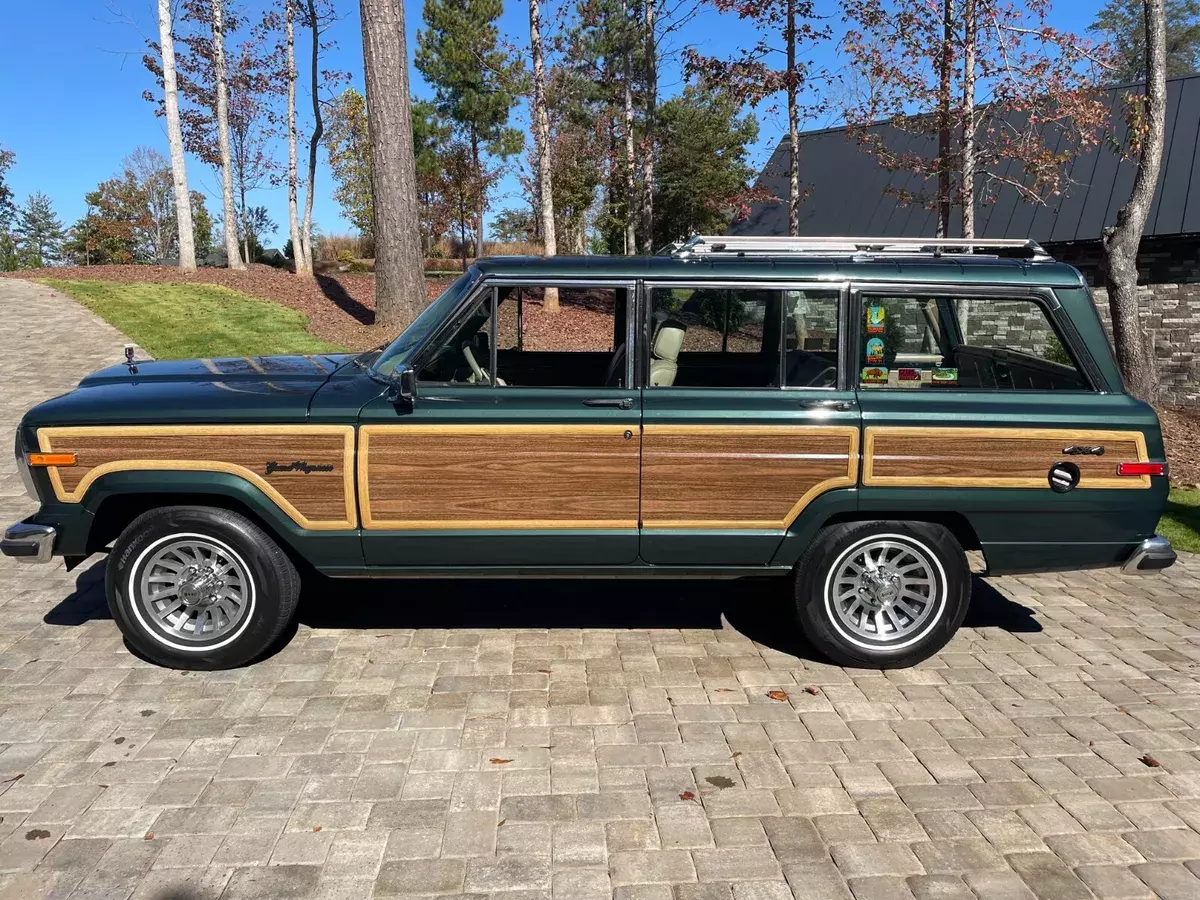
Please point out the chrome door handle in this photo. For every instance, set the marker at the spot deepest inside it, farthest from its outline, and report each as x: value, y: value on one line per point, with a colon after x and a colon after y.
x: 839, y: 405
x: 618, y: 403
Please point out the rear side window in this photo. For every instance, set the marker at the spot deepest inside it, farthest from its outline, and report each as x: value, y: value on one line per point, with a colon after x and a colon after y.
x: 965, y: 343
x: 715, y: 337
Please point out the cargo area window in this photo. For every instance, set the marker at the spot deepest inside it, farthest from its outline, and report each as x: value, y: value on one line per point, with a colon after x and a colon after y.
x: 966, y: 343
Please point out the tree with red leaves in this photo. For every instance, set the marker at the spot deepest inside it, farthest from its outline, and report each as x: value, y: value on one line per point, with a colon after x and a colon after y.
x: 1012, y: 99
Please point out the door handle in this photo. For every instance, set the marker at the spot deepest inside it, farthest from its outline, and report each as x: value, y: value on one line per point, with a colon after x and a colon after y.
x: 615, y: 402
x: 839, y: 405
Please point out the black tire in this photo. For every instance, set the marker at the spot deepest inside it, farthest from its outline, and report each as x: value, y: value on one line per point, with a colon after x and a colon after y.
x: 884, y: 623
x: 263, y: 587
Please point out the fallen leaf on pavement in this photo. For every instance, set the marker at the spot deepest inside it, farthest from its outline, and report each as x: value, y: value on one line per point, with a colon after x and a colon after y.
x: 497, y: 761
x: 781, y: 696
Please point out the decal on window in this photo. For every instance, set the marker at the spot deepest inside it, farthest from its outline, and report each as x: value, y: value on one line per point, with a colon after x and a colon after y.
x: 874, y: 351
x: 875, y: 319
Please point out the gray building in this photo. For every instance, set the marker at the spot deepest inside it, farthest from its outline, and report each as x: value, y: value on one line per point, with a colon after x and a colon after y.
x: 850, y: 193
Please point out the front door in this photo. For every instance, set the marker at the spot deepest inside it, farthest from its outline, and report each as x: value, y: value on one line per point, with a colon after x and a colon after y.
x: 522, y: 445
x: 750, y: 427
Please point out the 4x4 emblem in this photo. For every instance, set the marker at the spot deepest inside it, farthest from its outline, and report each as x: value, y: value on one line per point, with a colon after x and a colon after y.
x: 297, y: 466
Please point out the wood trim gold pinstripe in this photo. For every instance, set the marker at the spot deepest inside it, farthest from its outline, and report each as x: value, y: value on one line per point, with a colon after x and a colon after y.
x: 59, y: 438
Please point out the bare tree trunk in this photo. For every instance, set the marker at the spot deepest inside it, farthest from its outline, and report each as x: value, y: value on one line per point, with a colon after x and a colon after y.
x: 1121, y: 242
x: 630, y: 153
x: 300, y: 259
x: 314, y: 140
x: 793, y: 116
x: 970, y: 32
x: 229, y: 212
x: 541, y: 137
x: 944, y: 68
x: 477, y: 162
x: 651, y: 62
x: 183, y: 197
x: 399, y: 278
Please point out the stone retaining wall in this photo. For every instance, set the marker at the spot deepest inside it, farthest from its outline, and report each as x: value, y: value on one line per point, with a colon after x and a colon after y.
x: 1171, y: 315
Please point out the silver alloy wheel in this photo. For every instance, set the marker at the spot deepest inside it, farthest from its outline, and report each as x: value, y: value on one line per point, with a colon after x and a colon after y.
x: 194, y: 591
x: 885, y: 592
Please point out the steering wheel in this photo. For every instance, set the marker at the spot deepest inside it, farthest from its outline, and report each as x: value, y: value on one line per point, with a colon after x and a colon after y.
x: 825, y: 378
x: 480, y: 373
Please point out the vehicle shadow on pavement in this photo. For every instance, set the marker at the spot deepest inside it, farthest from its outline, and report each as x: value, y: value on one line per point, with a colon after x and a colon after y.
x: 759, y: 609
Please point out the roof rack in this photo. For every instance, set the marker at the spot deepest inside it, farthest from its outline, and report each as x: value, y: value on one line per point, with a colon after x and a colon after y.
x: 750, y: 245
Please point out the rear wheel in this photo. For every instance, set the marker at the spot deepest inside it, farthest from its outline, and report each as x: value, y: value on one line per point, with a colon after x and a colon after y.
x: 882, y: 594
x: 196, y: 587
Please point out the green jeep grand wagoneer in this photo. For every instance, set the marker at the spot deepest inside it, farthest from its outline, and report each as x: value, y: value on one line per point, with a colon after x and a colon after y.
x: 851, y: 413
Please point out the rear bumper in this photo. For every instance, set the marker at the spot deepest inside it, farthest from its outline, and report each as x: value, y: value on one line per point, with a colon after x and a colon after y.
x: 28, y: 542
x: 1152, y: 555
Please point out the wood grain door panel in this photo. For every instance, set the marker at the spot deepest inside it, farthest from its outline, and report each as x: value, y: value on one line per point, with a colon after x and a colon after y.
x: 741, y: 476
x: 498, y: 477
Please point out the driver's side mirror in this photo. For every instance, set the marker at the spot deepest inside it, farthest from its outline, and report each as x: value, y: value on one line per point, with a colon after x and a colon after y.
x: 405, y: 387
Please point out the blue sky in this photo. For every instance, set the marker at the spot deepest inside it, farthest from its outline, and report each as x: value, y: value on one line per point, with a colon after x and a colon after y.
x: 73, y: 78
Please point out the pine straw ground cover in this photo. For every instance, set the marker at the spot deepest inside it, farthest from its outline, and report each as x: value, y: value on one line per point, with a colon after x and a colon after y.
x: 340, y: 306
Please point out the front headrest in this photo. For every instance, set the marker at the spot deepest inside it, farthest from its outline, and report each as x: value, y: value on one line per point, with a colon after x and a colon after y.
x: 669, y: 341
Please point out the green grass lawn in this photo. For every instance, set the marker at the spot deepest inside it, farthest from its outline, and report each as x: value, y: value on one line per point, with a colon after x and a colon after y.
x: 1180, y: 524
x: 179, y: 321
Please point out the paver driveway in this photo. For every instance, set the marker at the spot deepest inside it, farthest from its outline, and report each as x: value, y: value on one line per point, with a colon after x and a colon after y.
x: 587, y: 740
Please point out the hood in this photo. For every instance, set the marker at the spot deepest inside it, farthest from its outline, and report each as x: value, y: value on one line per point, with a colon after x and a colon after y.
x: 243, y: 389
x: 279, y: 371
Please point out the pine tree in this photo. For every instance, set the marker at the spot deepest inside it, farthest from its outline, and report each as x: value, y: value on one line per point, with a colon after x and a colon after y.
x: 1122, y: 24
x: 38, y: 232
x: 476, y: 82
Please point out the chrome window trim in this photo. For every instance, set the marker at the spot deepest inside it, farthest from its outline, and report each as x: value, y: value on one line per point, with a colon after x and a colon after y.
x: 1037, y: 294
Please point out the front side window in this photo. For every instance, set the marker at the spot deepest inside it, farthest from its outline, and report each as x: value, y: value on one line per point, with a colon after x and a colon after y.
x: 980, y: 343
x: 714, y: 337
x: 542, y: 336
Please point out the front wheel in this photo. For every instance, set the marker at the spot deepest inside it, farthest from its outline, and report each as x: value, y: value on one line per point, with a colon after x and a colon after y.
x: 196, y: 587
x: 882, y: 594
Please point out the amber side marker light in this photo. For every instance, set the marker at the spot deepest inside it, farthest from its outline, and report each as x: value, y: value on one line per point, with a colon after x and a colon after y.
x: 51, y: 459
x: 1141, y: 468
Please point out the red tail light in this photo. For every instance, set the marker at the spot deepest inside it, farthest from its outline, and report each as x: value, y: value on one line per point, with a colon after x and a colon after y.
x: 1141, y: 468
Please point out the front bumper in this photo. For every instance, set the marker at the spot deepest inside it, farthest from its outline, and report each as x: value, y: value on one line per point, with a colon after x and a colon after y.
x: 1153, y: 554
x: 29, y: 543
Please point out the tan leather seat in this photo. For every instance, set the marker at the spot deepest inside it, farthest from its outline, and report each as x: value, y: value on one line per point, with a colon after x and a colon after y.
x: 664, y: 353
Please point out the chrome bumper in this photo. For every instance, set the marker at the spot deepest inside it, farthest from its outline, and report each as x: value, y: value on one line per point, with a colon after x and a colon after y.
x: 28, y: 543
x: 1152, y: 554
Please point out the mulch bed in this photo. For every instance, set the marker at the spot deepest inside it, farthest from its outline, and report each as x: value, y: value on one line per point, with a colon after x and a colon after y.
x: 340, y: 305
x: 1181, y: 433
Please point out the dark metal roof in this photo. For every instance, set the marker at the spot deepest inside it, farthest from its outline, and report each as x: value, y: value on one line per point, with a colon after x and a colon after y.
x: 849, y: 191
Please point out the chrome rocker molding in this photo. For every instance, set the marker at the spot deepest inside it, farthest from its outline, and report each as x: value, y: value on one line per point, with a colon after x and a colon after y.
x: 1152, y: 554
x: 28, y: 543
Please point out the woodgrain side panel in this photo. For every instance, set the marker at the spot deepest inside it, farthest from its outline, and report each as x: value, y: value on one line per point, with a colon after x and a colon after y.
x: 734, y: 476
x: 312, y: 479
x: 995, y: 457
x: 498, y: 476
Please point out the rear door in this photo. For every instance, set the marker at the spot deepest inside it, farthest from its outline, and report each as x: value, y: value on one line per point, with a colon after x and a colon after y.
x: 521, y: 446
x: 981, y: 401
x: 750, y: 427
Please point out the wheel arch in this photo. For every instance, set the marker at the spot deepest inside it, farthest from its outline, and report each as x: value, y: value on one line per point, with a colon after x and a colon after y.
x: 118, y: 498
x: 956, y: 523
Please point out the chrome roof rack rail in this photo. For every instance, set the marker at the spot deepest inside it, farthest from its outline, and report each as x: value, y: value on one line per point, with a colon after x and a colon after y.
x: 750, y: 245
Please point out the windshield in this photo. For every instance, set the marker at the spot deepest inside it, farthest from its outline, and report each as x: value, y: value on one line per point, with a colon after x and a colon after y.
x: 398, y: 351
